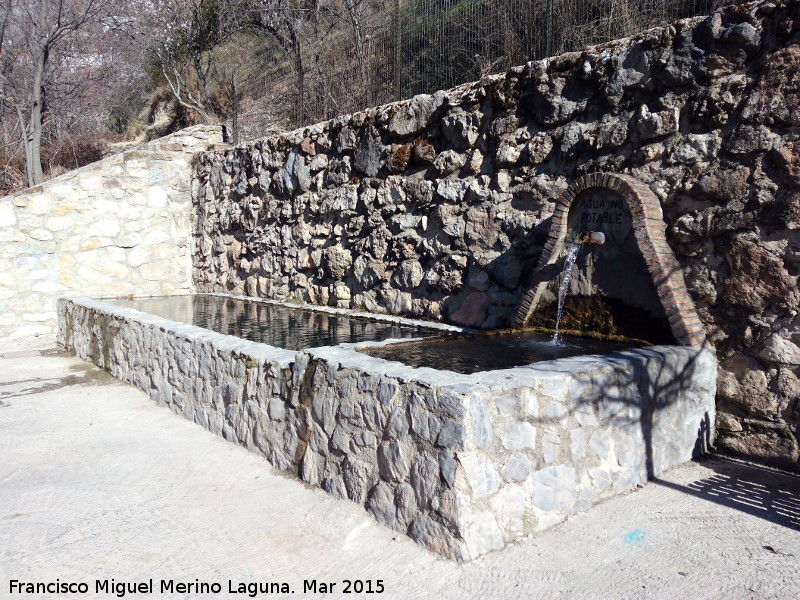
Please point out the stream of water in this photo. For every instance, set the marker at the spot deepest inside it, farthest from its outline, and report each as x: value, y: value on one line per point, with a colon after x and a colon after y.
x: 569, y: 264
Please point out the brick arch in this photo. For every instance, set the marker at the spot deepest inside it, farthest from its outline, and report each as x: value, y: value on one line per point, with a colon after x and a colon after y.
x: 649, y: 230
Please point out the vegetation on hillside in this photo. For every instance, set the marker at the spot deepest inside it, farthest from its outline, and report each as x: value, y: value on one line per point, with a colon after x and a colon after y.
x: 80, y: 78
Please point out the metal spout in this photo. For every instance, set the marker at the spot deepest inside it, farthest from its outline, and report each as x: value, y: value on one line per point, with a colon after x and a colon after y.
x: 591, y: 238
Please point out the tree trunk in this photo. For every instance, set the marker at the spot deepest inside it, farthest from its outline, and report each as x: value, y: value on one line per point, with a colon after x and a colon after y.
x: 5, y: 11
x: 27, y: 141
x: 32, y: 130
x: 361, y: 54
x: 33, y: 136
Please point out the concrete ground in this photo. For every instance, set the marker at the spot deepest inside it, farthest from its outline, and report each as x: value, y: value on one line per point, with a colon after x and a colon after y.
x: 98, y: 483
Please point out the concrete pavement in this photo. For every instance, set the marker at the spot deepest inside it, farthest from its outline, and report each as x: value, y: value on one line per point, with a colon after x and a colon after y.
x: 101, y: 489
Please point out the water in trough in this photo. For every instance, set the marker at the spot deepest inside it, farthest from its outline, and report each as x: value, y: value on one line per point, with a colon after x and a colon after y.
x: 276, y: 325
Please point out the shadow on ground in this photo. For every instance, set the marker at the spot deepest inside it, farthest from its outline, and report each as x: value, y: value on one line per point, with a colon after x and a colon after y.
x: 759, y: 491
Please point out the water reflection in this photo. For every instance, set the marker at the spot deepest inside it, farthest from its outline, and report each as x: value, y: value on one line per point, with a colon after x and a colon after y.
x: 290, y: 328
x: 473, y: 353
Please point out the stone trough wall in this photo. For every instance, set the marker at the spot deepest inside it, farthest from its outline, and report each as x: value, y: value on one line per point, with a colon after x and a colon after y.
x: 232, y: 387
x: 468, y: 463
x: 120, y: 225
x: 438, y: 207
x: 463, y: 464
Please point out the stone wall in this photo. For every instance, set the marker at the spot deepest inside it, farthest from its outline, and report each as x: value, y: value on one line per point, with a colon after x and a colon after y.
x: 463, y: 464
x: 120, y: 225
x: 438, y: 207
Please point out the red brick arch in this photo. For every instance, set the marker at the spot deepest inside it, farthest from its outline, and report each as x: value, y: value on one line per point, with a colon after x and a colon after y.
x: 649, y: 228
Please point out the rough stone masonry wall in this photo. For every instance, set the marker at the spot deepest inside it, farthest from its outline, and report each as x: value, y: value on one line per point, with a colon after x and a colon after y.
x: 120, y: 225
x: 437, y: 207
x: 463, y: 464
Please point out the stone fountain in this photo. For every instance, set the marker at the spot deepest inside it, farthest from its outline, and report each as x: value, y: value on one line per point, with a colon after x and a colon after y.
x: 634, y: 268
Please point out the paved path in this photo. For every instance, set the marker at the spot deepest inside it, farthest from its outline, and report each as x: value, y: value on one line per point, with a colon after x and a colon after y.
x: 99, y: 483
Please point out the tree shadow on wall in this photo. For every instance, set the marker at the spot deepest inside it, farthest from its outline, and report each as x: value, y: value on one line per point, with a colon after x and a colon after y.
x: 758, y: 491
x: 653, y: 385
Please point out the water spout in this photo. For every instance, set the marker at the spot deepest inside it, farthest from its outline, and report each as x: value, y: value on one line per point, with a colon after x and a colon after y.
x: 592, y: 238
x: 588, y: 238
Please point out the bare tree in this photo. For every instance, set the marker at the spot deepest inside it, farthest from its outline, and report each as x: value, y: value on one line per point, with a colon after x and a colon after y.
x: 182, y: 51
x: 354, y: 10
x: 45, y: 26
x: 196, y: 51
x: 5, y: 11
x: 9, y: 136
x: 284, y: 20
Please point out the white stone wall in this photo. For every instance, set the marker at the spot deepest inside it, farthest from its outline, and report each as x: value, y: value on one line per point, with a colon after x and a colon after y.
x: 120, y: 225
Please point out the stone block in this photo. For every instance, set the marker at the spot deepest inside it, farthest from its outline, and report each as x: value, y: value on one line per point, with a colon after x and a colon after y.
x: 434, y: 536
x: 447, y: 467
x: 393, y: 464
x: 517, y: 435
x: 425, y: 479
x: 41, y: 235
x: 600, y: 443
x: 381, y: 504
x: 406, y: 505
x: 481, y: 431
x: 780, y: 350
x: 506, y: 405
x: 555, y: 411
x: 551, y: 444
x: 359, y: 478
x: 448, y: 162
x: 452, y: 435
x: 508, y: 507
x: 577, y: 444
x: 415, y: 114
x: 483, y: 534
x: 517, y: 467
x: 554, y: 488
x: 481, y: 474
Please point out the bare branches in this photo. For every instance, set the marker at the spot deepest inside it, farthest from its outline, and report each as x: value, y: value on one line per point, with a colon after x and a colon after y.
x: 42, y: 31
x: 5, y: 11
x: 181, y: 89
x: 338, y: 52
x: 184, y: 51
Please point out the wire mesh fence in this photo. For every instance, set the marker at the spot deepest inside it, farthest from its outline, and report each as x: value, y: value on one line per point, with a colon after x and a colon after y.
x: 448, y: 42
x: 331, y: 58
x: 360, y: 53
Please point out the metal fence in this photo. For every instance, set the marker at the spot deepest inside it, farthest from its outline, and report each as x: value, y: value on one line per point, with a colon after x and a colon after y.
x: 447, y: 42
x: 362, y: 53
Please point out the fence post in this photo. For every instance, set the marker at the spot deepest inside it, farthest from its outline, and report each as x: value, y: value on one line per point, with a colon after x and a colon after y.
x: 547, y: 41
x: 398, y: 48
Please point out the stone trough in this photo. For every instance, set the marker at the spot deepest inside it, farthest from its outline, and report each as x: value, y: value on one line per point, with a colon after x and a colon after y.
x: 462, y: 464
